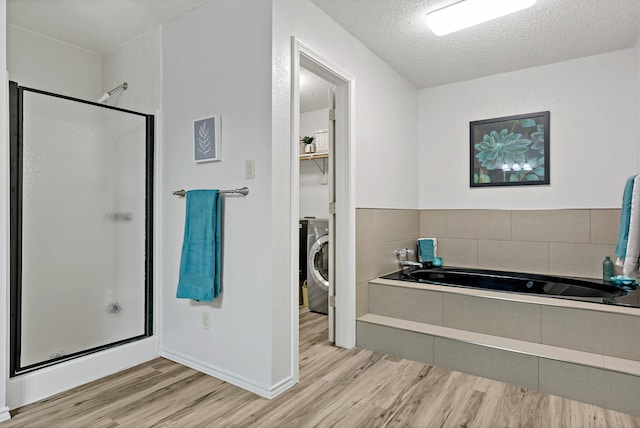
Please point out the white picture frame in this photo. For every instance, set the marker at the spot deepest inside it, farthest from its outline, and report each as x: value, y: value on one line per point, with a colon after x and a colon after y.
x: 207, y: 139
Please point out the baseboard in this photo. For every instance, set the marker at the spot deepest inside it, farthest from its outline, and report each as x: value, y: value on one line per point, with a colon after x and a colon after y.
x: 43, y: 383
x: 281, y: 386
x: 266, y: 391
x: 4, y: 414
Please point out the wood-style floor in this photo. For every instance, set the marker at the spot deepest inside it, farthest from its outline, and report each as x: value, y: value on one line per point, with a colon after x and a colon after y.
x: 338, y: 387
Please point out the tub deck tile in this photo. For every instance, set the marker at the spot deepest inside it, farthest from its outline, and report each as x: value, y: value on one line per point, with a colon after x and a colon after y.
x: 512, y: 345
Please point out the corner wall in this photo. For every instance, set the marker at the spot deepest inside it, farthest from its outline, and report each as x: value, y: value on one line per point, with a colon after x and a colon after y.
x: 386, y: 120
x: 43, y: 63
x: 139, y: 63
x: 379, y: 232
x: 384, y: 136
x: 217, y: 61
x: 594, y: 113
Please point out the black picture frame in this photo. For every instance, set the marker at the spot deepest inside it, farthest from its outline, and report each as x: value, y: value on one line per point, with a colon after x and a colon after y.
x: 510, y: 151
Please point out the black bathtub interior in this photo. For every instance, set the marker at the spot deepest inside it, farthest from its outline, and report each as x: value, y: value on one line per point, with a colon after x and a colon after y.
x: 514, y: 282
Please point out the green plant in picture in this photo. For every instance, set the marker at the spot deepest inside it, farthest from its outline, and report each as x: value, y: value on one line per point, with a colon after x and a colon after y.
x: 307, y: 139
x: 534, y: 161
x: 534, y: 174
x: 538, y: 143
x: 496, y: 148
x: 482, y: 176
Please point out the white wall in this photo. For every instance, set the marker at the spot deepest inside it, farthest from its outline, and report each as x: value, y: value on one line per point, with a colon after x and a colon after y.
x: 44, y: 63
x: 312, y: 121
x: 314, y: 196
x: 385, y: 104
x: 137, y: 62
x: 384, y: 138
x: 594, y: 113
x: 217, y: 61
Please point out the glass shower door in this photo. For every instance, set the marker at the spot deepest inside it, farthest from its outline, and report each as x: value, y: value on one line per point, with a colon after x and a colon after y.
x: 81, y: 189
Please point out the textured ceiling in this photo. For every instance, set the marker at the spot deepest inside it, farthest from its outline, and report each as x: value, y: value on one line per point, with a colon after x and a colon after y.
x: 550, y: 31
x: 314, y: 91
x: 102, y: 25
x: 96, y: 25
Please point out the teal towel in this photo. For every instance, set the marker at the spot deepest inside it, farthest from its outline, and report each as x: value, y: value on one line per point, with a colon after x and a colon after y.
x: 625, y: 217
x: 426, y: 249
x: 200, y: 260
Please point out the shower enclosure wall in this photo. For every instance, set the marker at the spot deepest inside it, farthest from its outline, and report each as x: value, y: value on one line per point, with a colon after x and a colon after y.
x: 81, y: 227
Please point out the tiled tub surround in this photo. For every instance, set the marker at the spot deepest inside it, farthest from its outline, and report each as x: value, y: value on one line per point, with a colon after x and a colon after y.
x: 579, y: 350
x: 379, y: 232
x: 557, y: 242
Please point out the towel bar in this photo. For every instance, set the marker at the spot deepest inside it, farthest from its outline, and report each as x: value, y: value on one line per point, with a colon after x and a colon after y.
x: 241, y: 191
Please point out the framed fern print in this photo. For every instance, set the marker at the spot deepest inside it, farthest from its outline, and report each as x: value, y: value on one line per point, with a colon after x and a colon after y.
x: 206, y: 139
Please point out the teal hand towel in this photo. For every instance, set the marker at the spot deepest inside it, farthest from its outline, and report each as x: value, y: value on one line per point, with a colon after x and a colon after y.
x: 625, y: 217
x: 426, y: 249
x: 200, y: 259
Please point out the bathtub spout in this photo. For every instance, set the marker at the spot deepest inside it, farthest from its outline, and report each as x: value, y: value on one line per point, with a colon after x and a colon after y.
x: 409, y: 263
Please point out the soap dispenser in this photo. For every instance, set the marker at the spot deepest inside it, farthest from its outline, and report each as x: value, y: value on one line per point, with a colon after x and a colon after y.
x: 607, y: 270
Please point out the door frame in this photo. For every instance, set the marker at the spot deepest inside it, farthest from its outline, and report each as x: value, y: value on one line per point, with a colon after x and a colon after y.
x: 345, y: 274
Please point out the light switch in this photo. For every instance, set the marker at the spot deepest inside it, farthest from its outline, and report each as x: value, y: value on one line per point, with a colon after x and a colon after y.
x: 250, y: 169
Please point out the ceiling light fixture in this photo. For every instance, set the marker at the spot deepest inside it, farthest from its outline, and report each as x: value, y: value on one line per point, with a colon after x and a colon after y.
x: 467, y: 13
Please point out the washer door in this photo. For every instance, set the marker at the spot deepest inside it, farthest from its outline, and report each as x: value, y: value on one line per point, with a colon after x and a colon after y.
x: 318, y: 262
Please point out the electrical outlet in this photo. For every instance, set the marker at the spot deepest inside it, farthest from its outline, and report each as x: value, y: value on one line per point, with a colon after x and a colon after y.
x: 206, y: 321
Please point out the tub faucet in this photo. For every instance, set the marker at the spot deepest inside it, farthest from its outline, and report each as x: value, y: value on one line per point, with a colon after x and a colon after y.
x: 403, y: 258
x: 406, y: 263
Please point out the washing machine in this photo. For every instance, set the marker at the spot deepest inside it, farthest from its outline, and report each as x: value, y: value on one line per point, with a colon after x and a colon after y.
x: 318, y: 265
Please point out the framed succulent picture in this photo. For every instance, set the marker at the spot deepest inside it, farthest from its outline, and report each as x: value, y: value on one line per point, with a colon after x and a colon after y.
x: 206, y: 139
x: 510, y: 151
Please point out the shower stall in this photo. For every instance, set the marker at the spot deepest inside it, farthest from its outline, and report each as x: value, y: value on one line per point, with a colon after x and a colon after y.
x: 81, y: 227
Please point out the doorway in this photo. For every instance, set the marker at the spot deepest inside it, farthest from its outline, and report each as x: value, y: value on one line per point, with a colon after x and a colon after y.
x: 316, y: 189
x: 341, y: 221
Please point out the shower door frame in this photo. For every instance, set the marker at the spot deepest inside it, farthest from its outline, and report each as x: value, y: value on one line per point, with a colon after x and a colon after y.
x: 15, y: 230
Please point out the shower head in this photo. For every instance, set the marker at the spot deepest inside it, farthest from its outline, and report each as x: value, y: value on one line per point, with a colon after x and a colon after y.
x: 107, y: 95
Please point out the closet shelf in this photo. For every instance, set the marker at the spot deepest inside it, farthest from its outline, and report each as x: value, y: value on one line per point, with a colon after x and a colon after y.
x: 311, y: 156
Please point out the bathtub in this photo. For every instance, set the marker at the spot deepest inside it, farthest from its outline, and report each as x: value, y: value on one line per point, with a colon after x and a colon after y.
x: 524, y: 283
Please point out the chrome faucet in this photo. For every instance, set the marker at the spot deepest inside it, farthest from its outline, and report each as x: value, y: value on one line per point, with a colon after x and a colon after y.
x: 404, y: 253
x: 407, y: 263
